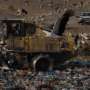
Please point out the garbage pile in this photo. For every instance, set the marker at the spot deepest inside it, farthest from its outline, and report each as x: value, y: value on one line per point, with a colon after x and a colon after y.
x: 68, y: 79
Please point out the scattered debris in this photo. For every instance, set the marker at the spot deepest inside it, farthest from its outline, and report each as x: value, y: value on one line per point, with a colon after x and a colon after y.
x: 22, y: 12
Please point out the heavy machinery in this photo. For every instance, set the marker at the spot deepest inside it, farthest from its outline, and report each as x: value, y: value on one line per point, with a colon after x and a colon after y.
x: 44, y: 50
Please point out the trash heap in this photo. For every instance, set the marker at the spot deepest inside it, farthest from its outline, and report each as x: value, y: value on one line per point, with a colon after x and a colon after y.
x: 68, y: 79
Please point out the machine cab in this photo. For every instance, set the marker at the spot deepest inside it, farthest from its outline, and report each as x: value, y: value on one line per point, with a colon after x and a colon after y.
x: 15, y: 27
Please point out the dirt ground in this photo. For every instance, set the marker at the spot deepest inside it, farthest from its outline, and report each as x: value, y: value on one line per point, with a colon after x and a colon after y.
x: 75, y: 27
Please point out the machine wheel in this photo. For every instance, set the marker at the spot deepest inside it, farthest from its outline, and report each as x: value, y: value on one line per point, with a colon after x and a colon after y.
x: 41, y: 63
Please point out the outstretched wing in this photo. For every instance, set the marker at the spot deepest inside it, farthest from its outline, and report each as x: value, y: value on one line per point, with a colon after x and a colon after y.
x: 61, y: 23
